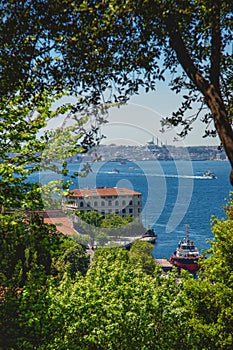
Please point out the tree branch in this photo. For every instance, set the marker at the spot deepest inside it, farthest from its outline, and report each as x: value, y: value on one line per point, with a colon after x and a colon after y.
x: 210, y: 90
x: 183, y: 56
x: 215, y: 45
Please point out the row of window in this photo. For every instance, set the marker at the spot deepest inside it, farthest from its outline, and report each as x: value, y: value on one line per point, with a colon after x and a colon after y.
x: 104, y: 203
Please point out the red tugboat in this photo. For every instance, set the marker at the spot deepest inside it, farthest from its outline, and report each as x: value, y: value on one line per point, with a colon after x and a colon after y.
x: 186, y: 255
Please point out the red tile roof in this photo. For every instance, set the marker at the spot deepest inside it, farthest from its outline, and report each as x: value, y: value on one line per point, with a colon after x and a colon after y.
x: 63, y: 225
x: 103, y: 191
x: 59, y: 219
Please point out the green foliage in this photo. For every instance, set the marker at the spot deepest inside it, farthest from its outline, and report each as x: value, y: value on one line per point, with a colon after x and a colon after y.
x: 27, y: 245
x: 27, y: 148
x: 140, y: 255
x: 19, y: 148
x: 92, y: 218
x: 101, y: 47
x: 210, y: 313
x: 118, y: 306
x: 104, y: 51
x: 81, y: 239
x: 102, y: 239
x: 24, y: 242
x: 122, y: 303
x: 113, y: 302
x: 210, y: 298
x: 127, y: 226
x: 115, y: 221
x: 73, y: 260
x: 220, y: 256
x: 31, y: 253
x: 103, y: 230
x: 111, y: 224
x: 109, y: 221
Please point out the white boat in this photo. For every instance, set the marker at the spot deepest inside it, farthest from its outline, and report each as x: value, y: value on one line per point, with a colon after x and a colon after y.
x: 209, y: 175
x: 115, y: 171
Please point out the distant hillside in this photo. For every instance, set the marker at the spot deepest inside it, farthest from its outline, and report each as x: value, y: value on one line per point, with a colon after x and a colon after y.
x: 151, y: 151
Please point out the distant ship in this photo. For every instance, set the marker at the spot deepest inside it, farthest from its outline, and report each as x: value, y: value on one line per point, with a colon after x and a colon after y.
x: 149, y: 236
x: 119, y: 160
x: 186, y: 255
x: 209, y: 175
x: 115, y: 171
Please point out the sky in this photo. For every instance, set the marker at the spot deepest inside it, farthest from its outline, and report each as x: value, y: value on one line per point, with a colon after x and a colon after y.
x: 139, y: 121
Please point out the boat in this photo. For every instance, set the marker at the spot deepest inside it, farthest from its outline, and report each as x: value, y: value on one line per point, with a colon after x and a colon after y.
x: 186, y: 255
x: 115, y: 171
x: 209, y: 175
x: 119, y: 160
x: 149, y: 236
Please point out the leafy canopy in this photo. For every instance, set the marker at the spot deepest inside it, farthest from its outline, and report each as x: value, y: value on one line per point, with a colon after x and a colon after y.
x: 105, y: 51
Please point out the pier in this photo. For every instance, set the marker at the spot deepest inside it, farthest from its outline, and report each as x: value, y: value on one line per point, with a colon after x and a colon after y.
x: 164, y: 264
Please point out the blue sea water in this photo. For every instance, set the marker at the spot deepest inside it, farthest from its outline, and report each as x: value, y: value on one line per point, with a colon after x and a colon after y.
x: 174, y: 193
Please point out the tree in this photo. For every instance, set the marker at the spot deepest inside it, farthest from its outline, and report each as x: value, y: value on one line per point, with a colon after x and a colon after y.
x: 105, y: 51
x: 210, y: 298
x: 111, y: 308
x: 92, y: 217
x: 26, y: 148
x: 27, y: 104
x: 126, y: 45
x: 118, y: 306
x: 74, y: 260
x: 101, y: 229
x: 140, y: 255
x: 114, y: 221
x: 25, y: 243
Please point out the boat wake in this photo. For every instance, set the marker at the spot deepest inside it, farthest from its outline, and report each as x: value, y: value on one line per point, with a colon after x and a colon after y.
x: 200, y: 177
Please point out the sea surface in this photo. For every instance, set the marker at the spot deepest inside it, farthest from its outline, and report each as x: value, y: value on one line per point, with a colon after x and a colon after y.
x: 174, y: 194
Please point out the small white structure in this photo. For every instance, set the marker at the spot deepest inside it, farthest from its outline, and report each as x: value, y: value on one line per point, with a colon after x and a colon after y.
x: 120, y: 201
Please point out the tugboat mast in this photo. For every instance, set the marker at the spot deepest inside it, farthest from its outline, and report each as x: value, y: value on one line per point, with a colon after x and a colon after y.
x: 187, y: 231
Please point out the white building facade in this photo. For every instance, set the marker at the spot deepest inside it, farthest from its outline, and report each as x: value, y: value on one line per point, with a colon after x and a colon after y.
x: 120, y: 201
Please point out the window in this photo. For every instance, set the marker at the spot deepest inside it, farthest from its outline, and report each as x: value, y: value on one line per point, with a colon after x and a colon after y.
x: 81, y: 204
x: 131, y: 202
x: 130, y: 210
x: 123, y: 202
x: 109, y: 203
x: 102, y: 203
x: 116, y: 202
x: 95, y: 204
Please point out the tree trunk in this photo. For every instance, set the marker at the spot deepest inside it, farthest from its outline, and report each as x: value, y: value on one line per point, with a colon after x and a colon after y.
x: 211, y: 93
x: 221, y: 122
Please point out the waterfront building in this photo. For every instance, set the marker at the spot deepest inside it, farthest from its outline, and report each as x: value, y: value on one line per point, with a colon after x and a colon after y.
x: 120, y: 201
